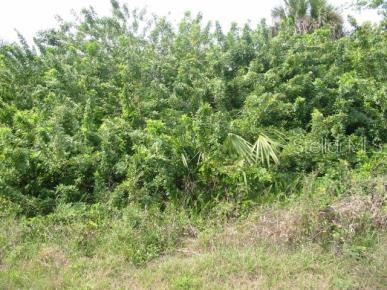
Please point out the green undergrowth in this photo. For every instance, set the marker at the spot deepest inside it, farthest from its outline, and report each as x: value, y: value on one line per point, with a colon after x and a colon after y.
x: 320, y: 241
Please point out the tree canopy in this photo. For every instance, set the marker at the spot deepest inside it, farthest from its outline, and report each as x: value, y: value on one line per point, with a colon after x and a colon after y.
x: 131, y: 109
x: 308, y: 15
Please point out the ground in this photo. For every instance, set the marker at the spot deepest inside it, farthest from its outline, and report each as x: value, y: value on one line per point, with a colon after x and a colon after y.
x: 309, y: 242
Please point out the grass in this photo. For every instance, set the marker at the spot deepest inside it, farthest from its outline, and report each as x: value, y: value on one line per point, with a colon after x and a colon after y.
x: 321, y: 241
x: 264, y: 267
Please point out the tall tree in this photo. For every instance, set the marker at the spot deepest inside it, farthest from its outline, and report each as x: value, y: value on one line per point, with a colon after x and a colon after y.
x: 380, y: 5
x: 308, y: 15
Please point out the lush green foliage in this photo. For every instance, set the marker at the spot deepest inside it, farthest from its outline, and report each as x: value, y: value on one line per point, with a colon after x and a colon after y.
x: 126, y: 109
x: 254, y: 158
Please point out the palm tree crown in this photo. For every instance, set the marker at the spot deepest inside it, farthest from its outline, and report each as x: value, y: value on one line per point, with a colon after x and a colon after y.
x: 308, y: 15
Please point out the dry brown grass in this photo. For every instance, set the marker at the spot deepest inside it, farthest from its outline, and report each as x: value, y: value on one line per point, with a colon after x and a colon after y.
x: 298, y: 223
x: 276, y: 226
x: 52, y: 256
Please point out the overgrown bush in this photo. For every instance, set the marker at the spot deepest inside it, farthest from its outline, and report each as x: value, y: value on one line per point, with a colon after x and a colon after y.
x: 125, y: 109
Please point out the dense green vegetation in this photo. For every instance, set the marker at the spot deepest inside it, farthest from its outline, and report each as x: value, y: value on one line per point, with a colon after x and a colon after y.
x: 119, y: 135
x: 119, y: 109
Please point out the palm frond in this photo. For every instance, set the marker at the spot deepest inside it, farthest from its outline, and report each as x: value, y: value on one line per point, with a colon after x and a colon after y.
x: 308, y: 15
x: 279, y: 12
x: 184, y: 160
x: 263, y: 151
x: 240, y: 146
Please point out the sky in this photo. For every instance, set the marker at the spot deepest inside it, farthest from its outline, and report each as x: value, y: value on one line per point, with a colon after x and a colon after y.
x: 31, y: 16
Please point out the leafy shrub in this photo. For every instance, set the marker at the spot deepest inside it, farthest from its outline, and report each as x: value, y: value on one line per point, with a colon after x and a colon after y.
x: 100, y: 111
